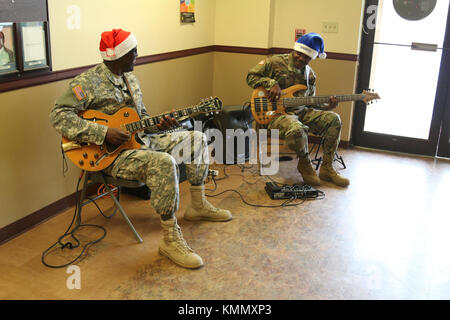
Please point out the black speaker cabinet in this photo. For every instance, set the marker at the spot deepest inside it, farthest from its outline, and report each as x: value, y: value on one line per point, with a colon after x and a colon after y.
x: 235, y: 118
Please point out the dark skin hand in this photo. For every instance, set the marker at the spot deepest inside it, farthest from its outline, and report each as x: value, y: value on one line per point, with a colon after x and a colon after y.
x: 117, y: 136
x: 167, y: 123
x: 332, y: 103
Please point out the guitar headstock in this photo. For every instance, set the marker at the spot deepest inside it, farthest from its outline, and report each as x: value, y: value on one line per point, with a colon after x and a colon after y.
x: 210, y: 105
x: 369, y: 96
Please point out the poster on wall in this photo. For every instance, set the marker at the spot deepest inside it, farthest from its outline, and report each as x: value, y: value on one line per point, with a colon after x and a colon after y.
x: 187, y: 8
x: 299, y: 33
x: 7, y: 50
x: 33, y: 45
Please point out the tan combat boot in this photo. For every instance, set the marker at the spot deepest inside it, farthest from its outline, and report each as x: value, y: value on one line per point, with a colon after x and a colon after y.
x: 328, y: 173
x: 308, y: 173
x: 174, y: 246
x: 201, y: 209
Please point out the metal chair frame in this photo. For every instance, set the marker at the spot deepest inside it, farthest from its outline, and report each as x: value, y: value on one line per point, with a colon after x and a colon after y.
x: 100, y: 177
x: 318, y: 160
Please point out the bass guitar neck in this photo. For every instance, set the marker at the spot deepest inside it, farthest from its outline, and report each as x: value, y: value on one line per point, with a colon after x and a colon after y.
x: 264, y: 110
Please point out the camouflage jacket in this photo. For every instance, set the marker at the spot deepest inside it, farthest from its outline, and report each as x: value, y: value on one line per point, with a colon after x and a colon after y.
x: 280, y: 69
x: 97, y: 88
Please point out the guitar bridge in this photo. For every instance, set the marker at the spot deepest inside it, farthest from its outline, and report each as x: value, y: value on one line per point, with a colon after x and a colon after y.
x: 100, y: 159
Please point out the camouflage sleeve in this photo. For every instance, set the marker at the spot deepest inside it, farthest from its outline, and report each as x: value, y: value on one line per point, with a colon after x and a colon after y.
x: 261, y: 75
x: 64, y: 117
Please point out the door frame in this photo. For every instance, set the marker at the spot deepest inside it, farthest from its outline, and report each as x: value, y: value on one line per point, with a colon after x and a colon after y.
x: 441, y: 104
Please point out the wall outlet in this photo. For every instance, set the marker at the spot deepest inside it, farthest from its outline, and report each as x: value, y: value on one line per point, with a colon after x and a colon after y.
x: 330, y: 27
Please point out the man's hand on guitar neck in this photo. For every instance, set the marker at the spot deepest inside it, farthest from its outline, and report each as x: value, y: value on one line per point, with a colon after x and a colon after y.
x: 274, y: 93
x: 116, y: 136
x: 167, y: 123
x: 332, y: 104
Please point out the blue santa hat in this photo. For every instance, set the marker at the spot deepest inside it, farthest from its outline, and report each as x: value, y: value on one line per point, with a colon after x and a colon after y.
x: 312, y: 45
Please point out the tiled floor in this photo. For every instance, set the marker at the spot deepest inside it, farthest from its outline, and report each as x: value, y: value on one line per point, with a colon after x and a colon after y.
x: 386, y: 236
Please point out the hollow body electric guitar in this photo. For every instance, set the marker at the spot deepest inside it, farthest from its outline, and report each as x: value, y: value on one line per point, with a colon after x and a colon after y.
x: 93, y: 157
x: 264, y: 110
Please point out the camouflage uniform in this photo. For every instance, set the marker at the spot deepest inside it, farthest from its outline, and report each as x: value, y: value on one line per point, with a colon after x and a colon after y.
x: 101, y: 90
x: 294, y: 127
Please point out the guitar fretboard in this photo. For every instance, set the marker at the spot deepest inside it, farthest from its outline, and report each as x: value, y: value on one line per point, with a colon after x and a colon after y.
x: 306, y: 101
x: 262, y: 104
x: 153, y: 121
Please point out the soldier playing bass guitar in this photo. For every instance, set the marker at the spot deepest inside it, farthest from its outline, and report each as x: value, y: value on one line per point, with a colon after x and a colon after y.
x: 282, y: 71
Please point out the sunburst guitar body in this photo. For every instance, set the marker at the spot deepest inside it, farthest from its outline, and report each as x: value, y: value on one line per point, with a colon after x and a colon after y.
x: 93, y: 157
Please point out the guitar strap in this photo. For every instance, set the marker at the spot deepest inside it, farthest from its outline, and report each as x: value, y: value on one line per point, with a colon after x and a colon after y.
x: 307, y: 71
x: 143, y: 137
x: 132, y: 95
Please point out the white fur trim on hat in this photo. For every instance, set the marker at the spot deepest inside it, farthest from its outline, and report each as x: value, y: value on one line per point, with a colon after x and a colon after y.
x: 300, y: 47
x: 120, y: 50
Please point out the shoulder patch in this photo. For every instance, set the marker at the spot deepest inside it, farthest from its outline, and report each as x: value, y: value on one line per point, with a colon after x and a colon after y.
x: 79, y: 93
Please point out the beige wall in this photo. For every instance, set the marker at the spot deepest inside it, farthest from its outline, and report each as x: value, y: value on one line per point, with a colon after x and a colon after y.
x: 156, y: 24
x: 31, y: 159
x: 309, y: 15
x: 243, y: 23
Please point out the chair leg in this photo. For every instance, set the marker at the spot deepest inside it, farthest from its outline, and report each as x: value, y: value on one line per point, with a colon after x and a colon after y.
x: 259, y: 154
x: 317, y: 160
x: 122, y: 211
x: 339, y: 159
x: 82, y: 197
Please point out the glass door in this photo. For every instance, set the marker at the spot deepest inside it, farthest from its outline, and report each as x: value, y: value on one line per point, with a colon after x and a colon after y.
x: 403, y: 60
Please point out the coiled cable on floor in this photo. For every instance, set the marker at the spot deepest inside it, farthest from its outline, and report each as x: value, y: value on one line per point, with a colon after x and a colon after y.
x: 70, y: 232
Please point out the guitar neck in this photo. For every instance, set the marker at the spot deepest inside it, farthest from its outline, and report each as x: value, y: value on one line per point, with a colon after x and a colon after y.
x: 151, y: 122
x: 306, y: 101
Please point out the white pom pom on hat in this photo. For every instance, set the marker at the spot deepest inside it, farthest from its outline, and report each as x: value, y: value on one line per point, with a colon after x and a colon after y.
x: 116, y: 43
x: 312, y: 45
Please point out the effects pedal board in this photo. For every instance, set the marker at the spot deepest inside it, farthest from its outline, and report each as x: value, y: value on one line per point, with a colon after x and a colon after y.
x: 296, y: 191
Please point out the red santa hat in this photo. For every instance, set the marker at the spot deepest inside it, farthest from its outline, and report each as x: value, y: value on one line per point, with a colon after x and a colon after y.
x: 116, y: 43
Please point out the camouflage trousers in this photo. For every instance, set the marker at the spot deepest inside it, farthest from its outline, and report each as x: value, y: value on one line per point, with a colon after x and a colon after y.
x: 294, y: 130
x: 157, y: 166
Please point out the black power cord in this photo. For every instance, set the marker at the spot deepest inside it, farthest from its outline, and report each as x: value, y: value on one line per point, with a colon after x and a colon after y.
x: 70, y: 232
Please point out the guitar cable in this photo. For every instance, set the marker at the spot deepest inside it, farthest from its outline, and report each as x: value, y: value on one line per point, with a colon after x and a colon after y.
x: 286, y: 203
x: 65, y: 167
x: 76, y: 218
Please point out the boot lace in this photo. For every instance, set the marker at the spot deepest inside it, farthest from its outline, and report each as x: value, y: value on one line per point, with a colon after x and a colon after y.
x: 179, y: 241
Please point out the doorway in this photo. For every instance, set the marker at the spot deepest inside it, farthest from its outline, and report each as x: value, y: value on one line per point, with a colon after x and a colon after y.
x: 406, y: 62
